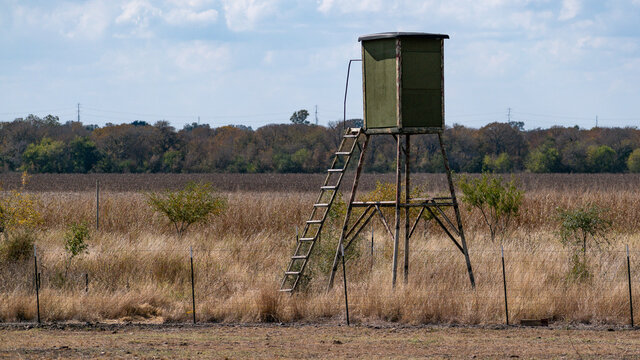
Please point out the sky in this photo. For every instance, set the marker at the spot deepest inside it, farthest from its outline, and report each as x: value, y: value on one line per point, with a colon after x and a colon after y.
x: 255, y: 62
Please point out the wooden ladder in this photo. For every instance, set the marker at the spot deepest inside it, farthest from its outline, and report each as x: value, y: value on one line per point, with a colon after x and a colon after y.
x: 314, y: 225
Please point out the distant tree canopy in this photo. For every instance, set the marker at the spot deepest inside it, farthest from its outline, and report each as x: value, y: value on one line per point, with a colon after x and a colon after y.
x: 300, y: 117
x: 45, y: 145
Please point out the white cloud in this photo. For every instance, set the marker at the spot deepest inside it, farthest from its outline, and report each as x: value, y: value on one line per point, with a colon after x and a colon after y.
x: 201, y: 57
x: 186, y: 16
x: 350, y: 6
x: 570, y: 9
x: 165, y: 62
x: 87, y: 20
x: 137, y: 12
x: 243, y: 15
x: 196, y: 4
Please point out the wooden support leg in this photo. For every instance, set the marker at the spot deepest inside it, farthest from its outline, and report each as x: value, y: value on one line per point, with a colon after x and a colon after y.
x: 396, y: 237
x: 457, y: 211
x: 407, y: 234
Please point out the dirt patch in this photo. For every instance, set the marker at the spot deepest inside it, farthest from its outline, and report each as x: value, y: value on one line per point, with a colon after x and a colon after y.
x: 312, y: 341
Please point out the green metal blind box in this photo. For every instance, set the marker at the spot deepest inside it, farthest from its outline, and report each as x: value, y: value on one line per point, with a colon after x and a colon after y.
x: 403, y: 82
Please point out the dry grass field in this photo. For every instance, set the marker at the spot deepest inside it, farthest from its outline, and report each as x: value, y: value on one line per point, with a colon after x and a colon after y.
x: 138, y: 269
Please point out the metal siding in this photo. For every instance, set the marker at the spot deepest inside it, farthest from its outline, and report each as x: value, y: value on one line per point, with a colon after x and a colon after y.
x: 422, y: 70
x: 422, y: 100
x: 380, y: 83
x: 429, y: 45
x: 422, y: 108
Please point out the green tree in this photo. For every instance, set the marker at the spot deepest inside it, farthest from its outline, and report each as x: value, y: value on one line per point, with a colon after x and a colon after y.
x: 300, y: 117
x: 497, y: 164
x: 75, y: 242
x: 601, y: 158
x: 544, y: 159
x: 498, y: 202
x: 576, y: 227
x: 633, y: 162
x: 579, y: 224
x: 47, y: 156
x: 83, y: 153
x: 192, y: 204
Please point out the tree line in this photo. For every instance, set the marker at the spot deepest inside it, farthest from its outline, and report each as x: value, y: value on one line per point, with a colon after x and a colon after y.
x: 44, y: 145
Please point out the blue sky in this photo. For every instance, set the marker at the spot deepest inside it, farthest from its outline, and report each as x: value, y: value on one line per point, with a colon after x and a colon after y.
x: 255, y: 62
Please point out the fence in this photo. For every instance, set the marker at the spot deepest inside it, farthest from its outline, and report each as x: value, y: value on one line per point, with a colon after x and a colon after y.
x: 512, y: 283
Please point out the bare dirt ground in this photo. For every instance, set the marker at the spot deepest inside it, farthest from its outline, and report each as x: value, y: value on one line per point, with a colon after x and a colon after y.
x: 313, y: 341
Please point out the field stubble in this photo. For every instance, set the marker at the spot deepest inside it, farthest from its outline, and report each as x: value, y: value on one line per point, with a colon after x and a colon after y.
x: 139, y: 269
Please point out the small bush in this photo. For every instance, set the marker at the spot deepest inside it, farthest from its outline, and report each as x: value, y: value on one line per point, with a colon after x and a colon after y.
x: 75, y: 243
x: 576, y: 227
x: 18, y: 245
x: 579, y: 224
x: 498, y: 202
x: 75, y: 239
x: 193, y: 204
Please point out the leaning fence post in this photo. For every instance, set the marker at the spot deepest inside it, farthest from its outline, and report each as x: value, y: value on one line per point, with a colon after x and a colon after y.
x: 630, y: 292
x: 37, y: 280
x: 504, y: 282
x: 193, y: 290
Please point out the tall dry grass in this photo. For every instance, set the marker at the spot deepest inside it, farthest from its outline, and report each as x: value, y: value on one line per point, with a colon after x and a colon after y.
x: 139, y: 269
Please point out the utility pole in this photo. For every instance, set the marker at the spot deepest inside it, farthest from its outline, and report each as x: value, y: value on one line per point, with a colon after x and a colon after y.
x: 316, y: 114
x: 596, y: 121
x: 509, y: 114
x: 78, y: 112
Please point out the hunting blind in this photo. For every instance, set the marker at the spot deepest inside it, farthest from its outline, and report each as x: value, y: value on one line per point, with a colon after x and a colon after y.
x: 403, y: 85
x: 403, y: 82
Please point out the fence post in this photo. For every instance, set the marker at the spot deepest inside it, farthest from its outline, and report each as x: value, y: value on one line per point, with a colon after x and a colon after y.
x: 344, y: 276
x: 97, y: 204
x: 371, y: 246
x: 37, y: 280
x: 86, y: 282
x: 630, y: 292
x: 193, y: 289
x: 504, y: 282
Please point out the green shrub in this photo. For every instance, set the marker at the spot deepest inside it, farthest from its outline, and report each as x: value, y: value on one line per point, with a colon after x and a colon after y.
x: 193, y: 204
x: 498, y: 202
x: 75, y: 239
x: 75, y: 243
x: 576, y: 227
x: 579, y: 224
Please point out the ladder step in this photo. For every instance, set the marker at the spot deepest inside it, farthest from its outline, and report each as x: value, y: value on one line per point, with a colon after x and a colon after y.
x: 351, y: 136
x: 306, y: 239
x: 286, y: 290
x: 314, y: 221
x: 343, y: 153
x: 335, y: 170
x: 321, y: 205
x: 328, y: 187
x: 298, y: 257
x: 292, y: 272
